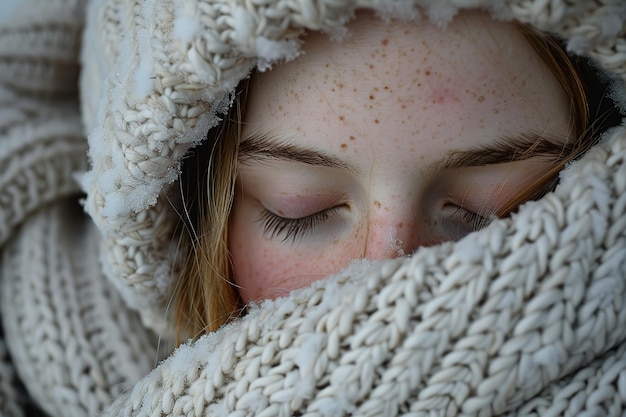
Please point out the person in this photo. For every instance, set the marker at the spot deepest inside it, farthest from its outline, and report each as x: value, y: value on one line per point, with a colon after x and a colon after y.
x: 340, y: 158
x: 348, y: 208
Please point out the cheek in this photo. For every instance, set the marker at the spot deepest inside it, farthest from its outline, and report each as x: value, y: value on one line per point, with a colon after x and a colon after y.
x: 265, y: 268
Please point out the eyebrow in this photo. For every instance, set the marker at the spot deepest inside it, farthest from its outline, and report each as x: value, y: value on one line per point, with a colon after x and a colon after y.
x: 510, y: 148
x: 274, y: 146
x: 527, y: 145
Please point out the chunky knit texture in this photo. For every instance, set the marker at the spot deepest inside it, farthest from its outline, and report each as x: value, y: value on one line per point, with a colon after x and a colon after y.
x: 526, y: 317
x: 148, y: 98
x: 41, y: 137
x: 69, y: 337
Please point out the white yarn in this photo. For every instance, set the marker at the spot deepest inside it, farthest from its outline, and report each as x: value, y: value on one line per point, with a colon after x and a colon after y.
x: 10, y: 398
x: 524, y: 318
x: 72, y: 339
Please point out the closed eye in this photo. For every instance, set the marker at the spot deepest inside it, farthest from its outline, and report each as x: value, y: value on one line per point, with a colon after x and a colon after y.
x: 284, y: 229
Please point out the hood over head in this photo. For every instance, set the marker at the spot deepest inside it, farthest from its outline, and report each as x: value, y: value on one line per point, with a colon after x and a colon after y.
x: 158, y: 74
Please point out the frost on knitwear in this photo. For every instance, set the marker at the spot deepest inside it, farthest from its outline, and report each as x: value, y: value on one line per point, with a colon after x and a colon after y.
x: 525, y: 317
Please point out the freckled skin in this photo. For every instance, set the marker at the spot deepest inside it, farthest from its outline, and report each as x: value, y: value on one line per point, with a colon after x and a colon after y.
x: 389, y: 101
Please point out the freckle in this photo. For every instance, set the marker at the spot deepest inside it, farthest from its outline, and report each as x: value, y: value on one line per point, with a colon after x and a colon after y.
x: 280, y: 108
x: 352, y: 138
x: 496, y: 111
x: 326, y: 65
x: 418, y: 71
x: 385, y: 42
x: 344, y: 146
x: 376, y: 89
x: 400, y: 225
x: 427, y: 72
x: 481, y: 99
x: 342, y: 118
x: 371, y: 97
x: 371, y: 66
x: 376, y: 121
x: 333, y: 90
x: 377, y: 204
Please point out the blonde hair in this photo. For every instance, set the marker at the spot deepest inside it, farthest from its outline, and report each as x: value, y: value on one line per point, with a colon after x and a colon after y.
x: 205, y: 295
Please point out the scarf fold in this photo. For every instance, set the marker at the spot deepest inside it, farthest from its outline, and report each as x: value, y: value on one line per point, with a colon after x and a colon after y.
x: 524, y: 318
x: 73, y: 341
x: 509, y: 321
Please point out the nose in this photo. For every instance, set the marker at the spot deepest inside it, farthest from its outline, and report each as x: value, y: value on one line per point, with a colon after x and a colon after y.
x: 390, y: 238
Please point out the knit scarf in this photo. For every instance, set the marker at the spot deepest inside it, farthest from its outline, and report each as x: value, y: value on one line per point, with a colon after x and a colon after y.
x: 526, y: 317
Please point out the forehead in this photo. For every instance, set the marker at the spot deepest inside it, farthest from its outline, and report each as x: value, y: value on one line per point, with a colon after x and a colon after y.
x: 476, y: 74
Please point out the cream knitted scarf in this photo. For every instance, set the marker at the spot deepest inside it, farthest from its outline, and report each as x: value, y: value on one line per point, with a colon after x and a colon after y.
x: 526, y: 317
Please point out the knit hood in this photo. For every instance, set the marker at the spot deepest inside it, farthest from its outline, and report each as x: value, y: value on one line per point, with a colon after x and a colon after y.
x: 525, y: 317
x: 159, y: 75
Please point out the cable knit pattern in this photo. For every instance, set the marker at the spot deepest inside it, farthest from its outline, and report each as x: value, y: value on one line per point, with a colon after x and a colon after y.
x: 525, y: 318
x: 72, y: 339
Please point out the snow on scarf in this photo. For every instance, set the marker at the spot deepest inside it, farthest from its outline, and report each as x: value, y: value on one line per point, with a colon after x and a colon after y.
x: 526, y: 317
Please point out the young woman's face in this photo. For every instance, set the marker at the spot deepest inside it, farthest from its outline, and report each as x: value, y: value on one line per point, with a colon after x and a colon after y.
x: 396, y: 138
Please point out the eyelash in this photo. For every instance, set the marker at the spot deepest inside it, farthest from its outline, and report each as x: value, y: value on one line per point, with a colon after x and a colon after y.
x: 473, y: 220
x: 275, y: 226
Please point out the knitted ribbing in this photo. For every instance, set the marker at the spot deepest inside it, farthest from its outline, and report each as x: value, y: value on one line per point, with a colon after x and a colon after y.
x: 41, y: 135
x: 39, y: 155
x: 10, y: 404
x: 72, y: 339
